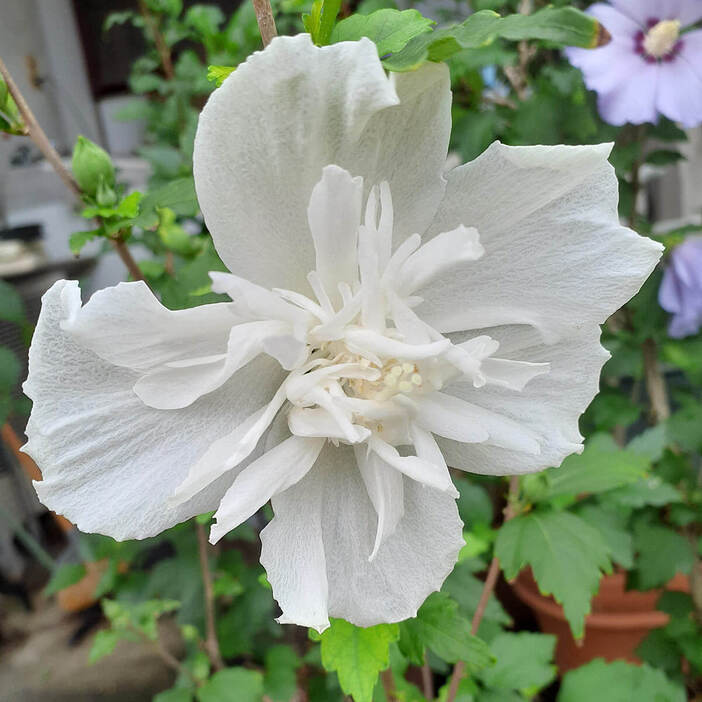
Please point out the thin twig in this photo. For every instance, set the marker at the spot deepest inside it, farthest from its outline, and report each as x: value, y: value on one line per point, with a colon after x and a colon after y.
x: 490, y: 582
x: 517, y: 75
x: 125, y: 254
x: 388, y: 683
x: 427, y: 679
x: 265, y: 19
x: 211, y: 641
x: 164, y: 654
x: 164, y: 52
x: 38, y: 136
x: 655, y: 383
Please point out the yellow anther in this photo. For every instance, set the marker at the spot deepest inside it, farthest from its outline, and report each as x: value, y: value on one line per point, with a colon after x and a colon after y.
x: 408, y: 367
x: 416, y: 379
x: 396, y: 371
x: 662, y: 38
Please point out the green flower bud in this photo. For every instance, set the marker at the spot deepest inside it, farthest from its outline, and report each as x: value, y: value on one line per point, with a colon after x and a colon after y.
x: 91, y: 164
x: 105, y: 195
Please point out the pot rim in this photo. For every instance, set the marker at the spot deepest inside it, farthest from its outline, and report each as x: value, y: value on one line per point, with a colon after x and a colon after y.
x: 653, y: 619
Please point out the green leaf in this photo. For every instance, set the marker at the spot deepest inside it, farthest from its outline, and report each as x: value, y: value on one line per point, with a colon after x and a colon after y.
x: 650, y: 443
x: 232, y: 685
x: 513, y: 669
x: 11, y: 305
x: 613, y: 528
x: 129, y: 206
x: 440, y: 627
x: 474, y: 503
x: 684, y: 427
x: 204, y: 19
x: 320, y: 22
x: 91, y: 164
x: 648, y: 491
x: 280, y: 681
x: 659, y: 650
x: 566, y: 555
x: 560, y: 25
x: 104, y: 643
x: 177, y: 694
x: 357, y: 655
x: 178, y: 195
x: 218, y: 74
x: 662, y: 553
x: 10, y: 118
x: 663, y: 157
x: 599, y: 468
x: 391, y: 30
x: 10, y: 369
x: 618, y: 682
x: 78, y: 240
x: 63, y: 577
x: 173, y: 236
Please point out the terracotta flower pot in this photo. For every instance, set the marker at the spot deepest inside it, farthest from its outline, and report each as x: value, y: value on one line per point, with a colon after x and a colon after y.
x: 81, y: 595
x: 619, y: 621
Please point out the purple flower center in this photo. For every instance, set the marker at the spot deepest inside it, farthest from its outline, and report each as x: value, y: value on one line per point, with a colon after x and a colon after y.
x: 660, y: 42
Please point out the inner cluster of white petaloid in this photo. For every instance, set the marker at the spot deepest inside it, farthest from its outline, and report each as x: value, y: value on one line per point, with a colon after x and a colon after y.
x: 393, y: 376
x: 370, y: 358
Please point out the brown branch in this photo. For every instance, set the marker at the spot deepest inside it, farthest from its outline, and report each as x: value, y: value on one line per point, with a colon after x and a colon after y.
x: 388, y: 683
x: 655, y: 383
x: 265, y: 19
x: 125, y: 254
x: 41, y: 141
x: 517, y: 75
x: 427, y: 679
x: 164, y: 52
x: 37, y: 134
x: 490, y: 582
x: 211, y: 641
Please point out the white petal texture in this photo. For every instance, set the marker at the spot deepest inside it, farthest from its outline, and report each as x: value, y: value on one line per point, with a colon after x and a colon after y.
x: 386, y: 322
x: 556, y: 256
x: 110, y: 462
x: 324, y: 531
x: 313, y: 107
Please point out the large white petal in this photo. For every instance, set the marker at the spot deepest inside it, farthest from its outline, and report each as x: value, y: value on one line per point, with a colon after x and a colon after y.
x: 548, y: 408
x: 110, y: 462
x: 292, y: 552
x: 330, y: 507
x: 127, y: 326
x: 275, y: 471
x: 286, y: 113
x: 555, y: 254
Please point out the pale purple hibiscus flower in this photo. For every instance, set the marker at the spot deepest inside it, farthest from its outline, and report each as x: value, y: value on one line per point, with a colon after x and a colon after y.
x: 652, y: 66
x: 681, y: 290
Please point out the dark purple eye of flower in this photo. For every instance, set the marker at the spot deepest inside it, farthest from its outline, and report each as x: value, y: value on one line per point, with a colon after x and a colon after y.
x: 661, y: 42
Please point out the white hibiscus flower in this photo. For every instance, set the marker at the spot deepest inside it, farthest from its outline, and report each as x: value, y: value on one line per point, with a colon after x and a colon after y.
x: 386, y: 321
